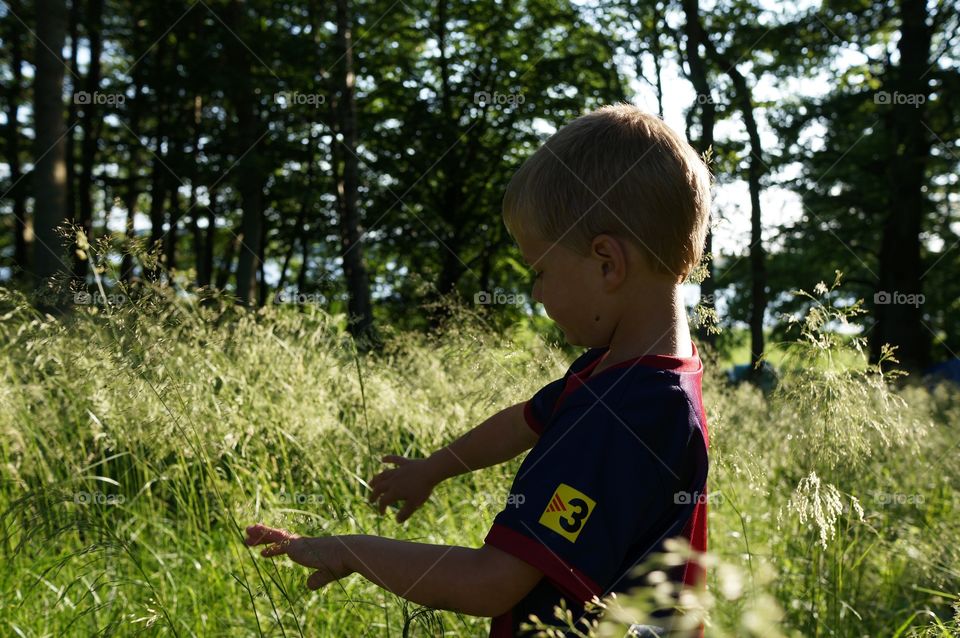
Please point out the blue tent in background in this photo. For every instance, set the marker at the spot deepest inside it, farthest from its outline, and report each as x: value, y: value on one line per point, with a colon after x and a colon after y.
x: 766, y: 380
x: 948, y: 370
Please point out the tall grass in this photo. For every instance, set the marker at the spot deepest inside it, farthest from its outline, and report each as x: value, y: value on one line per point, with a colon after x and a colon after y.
x: 138, y: 438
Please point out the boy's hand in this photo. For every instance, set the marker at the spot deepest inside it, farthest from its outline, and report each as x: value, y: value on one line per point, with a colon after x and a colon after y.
x: 411, y: 482
x: 325, y: 554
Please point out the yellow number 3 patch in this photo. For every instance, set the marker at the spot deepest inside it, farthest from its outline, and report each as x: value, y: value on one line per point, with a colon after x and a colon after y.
x: 567, y: 512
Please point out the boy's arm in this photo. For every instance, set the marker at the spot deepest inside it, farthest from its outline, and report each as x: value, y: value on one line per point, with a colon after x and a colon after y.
x: 500, y: 438
x: 478, y: 582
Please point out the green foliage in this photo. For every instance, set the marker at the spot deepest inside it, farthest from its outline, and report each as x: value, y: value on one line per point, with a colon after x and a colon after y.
x: 139, y: 437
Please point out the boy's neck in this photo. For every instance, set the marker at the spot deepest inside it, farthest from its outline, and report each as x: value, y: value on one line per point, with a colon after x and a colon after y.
x: 655, y: 325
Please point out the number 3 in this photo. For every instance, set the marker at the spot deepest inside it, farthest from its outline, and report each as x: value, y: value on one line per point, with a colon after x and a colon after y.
x: 578, y: 516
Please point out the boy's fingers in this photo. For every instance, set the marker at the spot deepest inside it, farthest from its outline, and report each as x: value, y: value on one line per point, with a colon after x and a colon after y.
x: 264, y: 534
x: 385, y: 500
x: 379, y: 478
x: 274, y: 550
x: 260, y: 534
x: 405, y: 512
x: 376, y: 493
x: 393, y: 458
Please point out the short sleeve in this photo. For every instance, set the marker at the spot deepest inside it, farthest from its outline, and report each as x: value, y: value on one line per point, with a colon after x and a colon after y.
x: 537, y: 410
x: 595, y: 484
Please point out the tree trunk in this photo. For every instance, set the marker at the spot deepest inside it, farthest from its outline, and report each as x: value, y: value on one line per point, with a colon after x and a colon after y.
x: 299, y: 233
x: 132, y: 192
x: 73, y: 29
x: 261, y: 261
x: 50, y: 151
x: 305, y: 203
x: 158, y: 195
x: 758, y: 256
x: 131, y: 195
x: 171, y: 237
x: 287, y: 258
x: 205, y: 259
x: 226, y: 268
x: 174, y: 210
x: 701, y: 84
x: 451, y: 266
x: 900, y: 322
x: 359, y: 306
x: 304, y: 263
x: 196, y: 231
x: 91, y: 132
x: 251, y: 197
x: 250, y: 180
x: 159, y: 180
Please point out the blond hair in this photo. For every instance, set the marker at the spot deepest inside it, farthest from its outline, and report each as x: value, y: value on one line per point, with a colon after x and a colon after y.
x: 618, y: 171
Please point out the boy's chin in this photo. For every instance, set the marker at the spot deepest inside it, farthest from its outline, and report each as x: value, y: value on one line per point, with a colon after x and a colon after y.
x: 574, y: 339
x: 580, y: 341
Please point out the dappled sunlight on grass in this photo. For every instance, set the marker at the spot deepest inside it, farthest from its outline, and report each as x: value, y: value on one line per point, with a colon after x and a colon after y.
x: 139, y: 440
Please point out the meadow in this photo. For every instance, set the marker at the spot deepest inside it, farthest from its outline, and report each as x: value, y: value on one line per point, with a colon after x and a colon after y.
x: 139, y: 439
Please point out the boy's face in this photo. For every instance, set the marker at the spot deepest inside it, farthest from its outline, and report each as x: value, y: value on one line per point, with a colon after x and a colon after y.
x: 573, y: 289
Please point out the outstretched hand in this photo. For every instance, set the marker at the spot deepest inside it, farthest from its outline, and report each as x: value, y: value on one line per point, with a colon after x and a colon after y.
x: 325, y: 554
x: 411, y: 481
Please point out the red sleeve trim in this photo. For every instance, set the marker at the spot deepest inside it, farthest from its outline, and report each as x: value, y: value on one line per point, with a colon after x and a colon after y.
x: 531, y: 418
x: 695, y: 530
x: 568, y: 579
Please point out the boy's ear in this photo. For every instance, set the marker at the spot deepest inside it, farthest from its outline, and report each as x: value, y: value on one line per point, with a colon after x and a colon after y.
x: 613, y: 259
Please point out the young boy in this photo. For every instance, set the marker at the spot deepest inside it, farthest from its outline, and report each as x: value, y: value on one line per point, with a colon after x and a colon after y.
x: 611, y: 214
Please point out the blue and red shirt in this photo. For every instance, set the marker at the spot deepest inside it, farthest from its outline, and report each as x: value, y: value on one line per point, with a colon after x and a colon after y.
x: 621, y: 465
